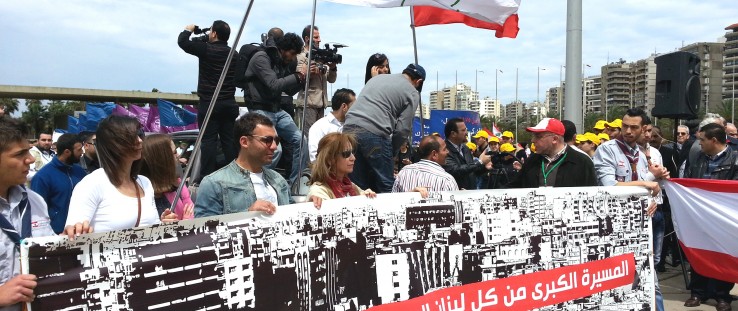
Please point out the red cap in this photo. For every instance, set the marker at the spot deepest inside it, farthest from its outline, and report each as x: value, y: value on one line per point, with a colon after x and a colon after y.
x: 548, y: 125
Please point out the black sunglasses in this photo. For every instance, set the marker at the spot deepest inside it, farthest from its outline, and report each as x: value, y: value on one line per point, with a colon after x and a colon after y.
x: 267, y: 140
x: 346, y: 154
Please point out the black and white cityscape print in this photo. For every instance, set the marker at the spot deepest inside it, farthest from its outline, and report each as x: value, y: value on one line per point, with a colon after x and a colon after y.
x: 352, y: 254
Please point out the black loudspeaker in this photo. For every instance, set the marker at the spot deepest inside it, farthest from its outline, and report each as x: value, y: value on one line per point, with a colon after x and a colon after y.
x: 678, y: 89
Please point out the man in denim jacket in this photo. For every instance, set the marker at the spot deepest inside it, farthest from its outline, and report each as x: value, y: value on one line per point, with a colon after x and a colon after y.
x: 246, y: 184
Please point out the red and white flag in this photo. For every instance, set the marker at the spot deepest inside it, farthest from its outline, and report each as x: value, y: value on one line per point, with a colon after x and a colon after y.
x: 496, y: 131
x: 490, y: 11
x: 428, y: 15
x: 705, y: 217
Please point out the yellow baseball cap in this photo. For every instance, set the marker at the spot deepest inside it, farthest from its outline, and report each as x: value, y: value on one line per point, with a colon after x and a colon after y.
x: 508, y: 134
x: 592, y: 137
x: 581, y: 138
x: 472, y: 146
x: 493, y: 139
x: 600, y: 125
x: 481, y: 133
x: 507, y: 147
x: 603, y: 136
x: 617, y: 123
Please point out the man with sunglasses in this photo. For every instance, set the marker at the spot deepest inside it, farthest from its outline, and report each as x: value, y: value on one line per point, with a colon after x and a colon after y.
x: 246, y: 184
x: 89, y: 159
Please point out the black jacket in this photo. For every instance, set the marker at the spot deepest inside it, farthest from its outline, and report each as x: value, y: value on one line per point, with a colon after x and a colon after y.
x: 212, y: 60
x: 463, y: 169
x: 577, y: 170
x: 268, y: 77
x: 727, y: 170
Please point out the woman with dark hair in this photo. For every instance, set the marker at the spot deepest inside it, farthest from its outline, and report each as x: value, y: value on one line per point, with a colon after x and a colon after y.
x: 333, y: 162
x: 376, y: 65
x: 159, y: 164
x: 115, y: 197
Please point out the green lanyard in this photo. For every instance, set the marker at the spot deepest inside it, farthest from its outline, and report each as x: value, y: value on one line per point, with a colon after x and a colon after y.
x: 553, y: 167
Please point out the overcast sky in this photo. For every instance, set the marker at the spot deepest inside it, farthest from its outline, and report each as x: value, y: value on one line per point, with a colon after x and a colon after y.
x: 132, y: 45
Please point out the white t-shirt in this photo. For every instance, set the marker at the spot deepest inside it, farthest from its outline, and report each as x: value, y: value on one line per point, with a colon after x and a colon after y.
x: 96, y: 199
x: 263, y: 190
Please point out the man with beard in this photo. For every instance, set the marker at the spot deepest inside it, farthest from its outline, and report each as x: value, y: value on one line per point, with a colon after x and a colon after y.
x: 246, y: 184
x: 42, y: 153
x: 55, y: 181
x: 89, y: 160
x: 459, y: 162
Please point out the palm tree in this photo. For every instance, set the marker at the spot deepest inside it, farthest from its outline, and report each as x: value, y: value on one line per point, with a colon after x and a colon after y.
x: 9, y: 105
x: 36, y: 116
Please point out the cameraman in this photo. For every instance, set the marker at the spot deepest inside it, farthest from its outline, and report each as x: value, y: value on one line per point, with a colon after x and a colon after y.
x: 212, y: 50
x: 269, y: 74
x: 320, y: 75
x: 505, y: 165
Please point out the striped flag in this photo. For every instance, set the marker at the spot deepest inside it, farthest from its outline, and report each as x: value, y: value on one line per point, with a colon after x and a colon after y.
x: 490, y: 11
x: 496, y: 131
x: 705, y: 218
x: 428, y: 15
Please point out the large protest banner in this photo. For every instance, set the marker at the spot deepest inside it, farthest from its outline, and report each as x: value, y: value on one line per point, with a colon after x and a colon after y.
x: 517, y: 249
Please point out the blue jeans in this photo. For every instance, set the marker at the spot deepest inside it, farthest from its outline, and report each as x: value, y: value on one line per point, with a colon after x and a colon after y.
x: 658, y: 243
x: 374, y: 166
x: 291, y: 136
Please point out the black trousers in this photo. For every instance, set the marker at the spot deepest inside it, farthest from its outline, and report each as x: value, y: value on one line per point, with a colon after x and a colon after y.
x: 706, y: 288
x: 220, y: 129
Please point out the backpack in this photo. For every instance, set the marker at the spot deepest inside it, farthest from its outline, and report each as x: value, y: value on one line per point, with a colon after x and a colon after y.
x: 242, y: 63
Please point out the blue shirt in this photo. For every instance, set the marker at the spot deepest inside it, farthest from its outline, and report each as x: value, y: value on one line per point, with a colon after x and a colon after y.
x: 55, y: 182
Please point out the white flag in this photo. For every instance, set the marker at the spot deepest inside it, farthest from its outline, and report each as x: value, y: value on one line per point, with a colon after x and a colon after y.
x: 493, y: 11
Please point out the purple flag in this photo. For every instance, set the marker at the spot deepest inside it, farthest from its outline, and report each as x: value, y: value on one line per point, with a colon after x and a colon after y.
x: 121, y: 111
x: 153, y: 124
x: 142, y: 114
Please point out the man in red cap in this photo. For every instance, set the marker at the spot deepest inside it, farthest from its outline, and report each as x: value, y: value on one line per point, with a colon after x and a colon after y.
x: 552, y: 158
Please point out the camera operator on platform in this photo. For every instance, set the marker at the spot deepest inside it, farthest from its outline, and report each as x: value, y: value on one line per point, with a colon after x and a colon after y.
x: 320, y: 76
x: 212, y: 50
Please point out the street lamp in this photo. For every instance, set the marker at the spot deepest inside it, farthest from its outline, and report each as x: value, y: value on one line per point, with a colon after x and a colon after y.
x: 496, y: 100
x: 559, y: 98
x: 584, y: 91
x: 538, y: 100
x: 516, y: 103
x: 476, y: 86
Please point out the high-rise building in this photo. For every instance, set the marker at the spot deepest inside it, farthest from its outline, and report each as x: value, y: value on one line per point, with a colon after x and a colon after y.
x: 458, y: 97
x: 711, y: 72
x: 644, y: 83
x: 513, y: 109
x: 592, y: 94
x: 555, y: 99
x: 616, y: 84
x: 490, y: 108
x: 730, y: 63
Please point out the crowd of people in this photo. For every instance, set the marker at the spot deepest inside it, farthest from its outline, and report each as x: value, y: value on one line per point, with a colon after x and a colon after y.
x: 118, y: 178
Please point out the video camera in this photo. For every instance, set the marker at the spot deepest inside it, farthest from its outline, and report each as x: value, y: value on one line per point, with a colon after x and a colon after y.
x: 327, y: 55
x: 203, y: 32
x: 501, y: 158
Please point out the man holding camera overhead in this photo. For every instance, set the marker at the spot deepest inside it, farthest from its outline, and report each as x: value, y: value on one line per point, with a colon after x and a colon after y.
x: 554, y: 164
x: 212, y: 51
x: 320, y: 76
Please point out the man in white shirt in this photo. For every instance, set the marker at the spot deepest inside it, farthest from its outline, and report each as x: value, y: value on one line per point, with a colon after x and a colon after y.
x: 23, y: 214
x: 333, y: 122
x: 41, y: 153
x: 428, y: 172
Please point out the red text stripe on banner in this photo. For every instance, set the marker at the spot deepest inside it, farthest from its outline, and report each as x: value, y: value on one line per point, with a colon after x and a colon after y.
x: 529, y: 291
x: 728, y: 186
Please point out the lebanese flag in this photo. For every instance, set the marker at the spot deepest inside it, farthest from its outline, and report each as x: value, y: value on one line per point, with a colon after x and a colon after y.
x: 705, y: 217
x: 496, y: 131
x: 490, y: 11
x: 428, y: 15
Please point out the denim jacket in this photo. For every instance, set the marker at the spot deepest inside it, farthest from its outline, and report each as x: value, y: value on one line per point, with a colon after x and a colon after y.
x: 229, y: 190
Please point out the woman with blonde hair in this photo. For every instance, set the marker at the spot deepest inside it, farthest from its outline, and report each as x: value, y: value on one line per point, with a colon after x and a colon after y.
x: 333, y: 163
x: 159, y: 164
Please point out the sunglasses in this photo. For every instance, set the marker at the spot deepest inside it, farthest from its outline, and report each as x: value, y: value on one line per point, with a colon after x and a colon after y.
x: 267, y: 140
x: 347, y: 153
x: 681, y: 133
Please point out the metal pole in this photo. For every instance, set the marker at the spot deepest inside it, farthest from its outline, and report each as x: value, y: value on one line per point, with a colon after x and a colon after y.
x: 205, y: 122
x: 732, y: 102
x: 304, y: 103
x: 517, y: 106
x: 561, y: 89
x: 496, y: 100
x: 415, y: 52
x: 573, y: 97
